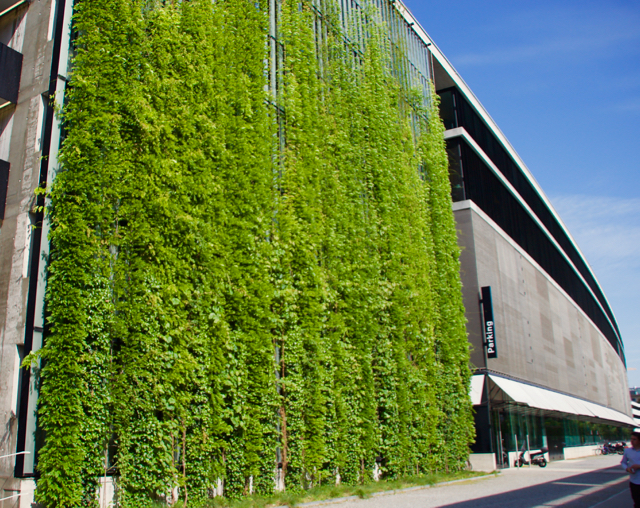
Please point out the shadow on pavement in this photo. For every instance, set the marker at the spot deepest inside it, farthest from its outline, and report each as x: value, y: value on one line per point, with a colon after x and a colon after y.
x: 593, y: 487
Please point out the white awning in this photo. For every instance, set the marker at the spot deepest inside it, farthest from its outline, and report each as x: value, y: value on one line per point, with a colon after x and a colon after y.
x: 541, y: 398
x: 477, y: 385
x: 635, y: 409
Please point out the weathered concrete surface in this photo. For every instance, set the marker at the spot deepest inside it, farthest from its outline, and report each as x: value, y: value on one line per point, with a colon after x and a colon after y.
x: 27, y: 31
x: 593, y: 482
x: 483, y: 461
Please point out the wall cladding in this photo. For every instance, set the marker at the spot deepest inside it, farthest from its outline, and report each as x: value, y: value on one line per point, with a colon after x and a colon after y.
x: 546, y: 338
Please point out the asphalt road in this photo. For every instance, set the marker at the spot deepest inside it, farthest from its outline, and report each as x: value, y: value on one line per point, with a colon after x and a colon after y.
x: 593, y: 482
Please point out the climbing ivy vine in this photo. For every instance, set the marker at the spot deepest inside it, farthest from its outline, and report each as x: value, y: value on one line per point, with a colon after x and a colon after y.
x: 246, y: 288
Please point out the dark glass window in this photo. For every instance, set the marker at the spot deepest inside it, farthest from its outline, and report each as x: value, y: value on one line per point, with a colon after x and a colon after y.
x: 4, y: 184
x: 10, y: 70
x: 448, y: 109
x: 455, y: 172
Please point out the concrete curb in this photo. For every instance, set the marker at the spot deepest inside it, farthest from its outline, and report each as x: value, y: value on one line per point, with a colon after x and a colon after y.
x: 337, y: 500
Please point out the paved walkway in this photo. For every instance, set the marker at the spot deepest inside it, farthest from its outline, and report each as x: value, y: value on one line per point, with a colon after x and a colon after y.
x: 593, y: 482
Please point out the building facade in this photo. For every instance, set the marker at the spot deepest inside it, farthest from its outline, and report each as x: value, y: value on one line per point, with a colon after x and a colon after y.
x: 546, y: 349
x: 34, y: 43
x: 558, y: 378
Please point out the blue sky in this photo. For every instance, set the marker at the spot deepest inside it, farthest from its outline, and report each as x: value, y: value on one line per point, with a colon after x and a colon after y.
x: 562, y: 80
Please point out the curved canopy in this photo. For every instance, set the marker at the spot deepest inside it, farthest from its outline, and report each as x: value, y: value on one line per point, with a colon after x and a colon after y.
x: 545, y: 399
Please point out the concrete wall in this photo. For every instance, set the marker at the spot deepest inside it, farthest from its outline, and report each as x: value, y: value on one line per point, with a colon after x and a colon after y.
x: 106, y: 492
x: 25, y: 150
x: 542, y: 336
x: 483, y: 462
x: 576, y: 452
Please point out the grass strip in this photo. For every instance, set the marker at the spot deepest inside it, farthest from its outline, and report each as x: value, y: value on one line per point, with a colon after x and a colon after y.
x: 335, y: 492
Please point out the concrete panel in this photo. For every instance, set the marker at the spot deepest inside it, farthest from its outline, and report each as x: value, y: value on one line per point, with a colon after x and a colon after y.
x: 483, y: 462
x: 106, y: 492
x: 470, y: 288
x: 27, y: 493
x: 575, y: 452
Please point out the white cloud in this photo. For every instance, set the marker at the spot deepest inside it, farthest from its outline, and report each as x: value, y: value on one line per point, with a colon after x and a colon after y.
x: 629, y: 106
x: 557, y: 34
x: 524, y: 53
x: 607, y: 230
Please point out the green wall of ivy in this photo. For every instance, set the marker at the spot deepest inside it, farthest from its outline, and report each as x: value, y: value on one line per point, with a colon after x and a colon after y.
x: 232, y: 285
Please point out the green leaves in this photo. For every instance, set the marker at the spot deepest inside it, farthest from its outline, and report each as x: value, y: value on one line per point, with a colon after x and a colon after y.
x: 236, y: 283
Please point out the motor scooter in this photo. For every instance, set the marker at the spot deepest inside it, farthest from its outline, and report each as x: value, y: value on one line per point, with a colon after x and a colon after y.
x: 536, y: 458
x: 611, y: 448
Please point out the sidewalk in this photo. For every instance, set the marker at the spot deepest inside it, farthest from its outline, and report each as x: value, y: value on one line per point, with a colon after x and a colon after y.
x: 593, y: 482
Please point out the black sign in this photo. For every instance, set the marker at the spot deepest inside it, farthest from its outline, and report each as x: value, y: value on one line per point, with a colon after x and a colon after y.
x: 489, y: 325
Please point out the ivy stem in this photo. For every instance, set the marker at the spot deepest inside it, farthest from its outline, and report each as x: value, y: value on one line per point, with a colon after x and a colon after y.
x: 184, y: 460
